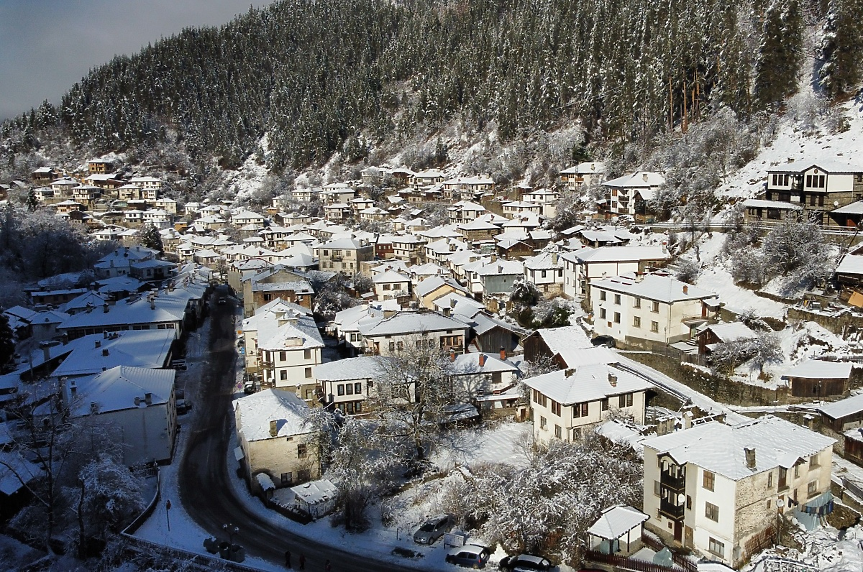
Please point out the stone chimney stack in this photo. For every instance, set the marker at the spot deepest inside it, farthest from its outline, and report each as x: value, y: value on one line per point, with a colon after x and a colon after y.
x: 502, y: 353
x: 274, y: 428
x: 481, y: 360
x: 750, y: 457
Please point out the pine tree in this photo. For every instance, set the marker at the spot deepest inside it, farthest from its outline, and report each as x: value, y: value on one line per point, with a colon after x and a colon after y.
x: 843, y: 36
x: 780, y: 53
x: 150, y: 238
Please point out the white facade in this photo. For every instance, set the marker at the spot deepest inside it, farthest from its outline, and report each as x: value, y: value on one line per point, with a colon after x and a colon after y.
x: 652, y: 308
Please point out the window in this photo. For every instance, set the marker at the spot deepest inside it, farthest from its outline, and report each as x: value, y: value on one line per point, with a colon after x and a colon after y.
x: 358, y: 407
x: 542, y: 422
x: 812, y: 489
x: 617, y: 317
x: 304, y: 475
x: 617, y: 299
x: 770, y: 480
x: 654, y: 306
x: 708, y: 480
x: 636, y: 303
x: 602, y: 313
x: 539, y: 398
x: 711, y: 511
x: 654, y: 327
x: 688, y: 502
x: 301, y: 451
x: 636, y: 321
x: 624, y: 400
x: 555, y: 407
x: 604, y: 404
x: 716, y: 547
x: 796, y: 471
x: 268, y: 297
x: 307, y: 354
x: 283, y: 356
x: 602, y: 295
x: 656, y: 488
x: 401, y: 346
x: 309, y: 394
x: 392, y: 346
x: 308, y: 373
x: 558, y: 432
x: 283, y: 375
x: 580, y: 410
x: 349, y: 389
x: 813, y: 461
x: 286, y: 479
x: 543, y: 274
x: 340, y: 389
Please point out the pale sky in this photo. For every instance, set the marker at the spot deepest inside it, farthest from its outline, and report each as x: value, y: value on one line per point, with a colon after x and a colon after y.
x: 48, y: 45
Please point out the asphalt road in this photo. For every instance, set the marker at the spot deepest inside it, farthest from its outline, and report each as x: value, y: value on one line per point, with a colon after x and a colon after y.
x: 205, y: 489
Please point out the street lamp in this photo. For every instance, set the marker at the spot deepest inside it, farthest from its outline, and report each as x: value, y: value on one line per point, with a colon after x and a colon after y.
x: 231, y: 530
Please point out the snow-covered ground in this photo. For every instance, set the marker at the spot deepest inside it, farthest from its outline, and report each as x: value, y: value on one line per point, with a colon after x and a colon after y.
x: 795, y: 144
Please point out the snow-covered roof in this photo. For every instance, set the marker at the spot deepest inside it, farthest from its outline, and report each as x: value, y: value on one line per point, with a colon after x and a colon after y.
x: 543, y: 261
x: 469, y: 364
x: 817, y: 369
x: 503, y: 267
x: 617, y: 521
x: 13, y: 469
x: 639, y: 179
x: 853, y: 208
x: 584, y: 383
x: 121, y: 387
x: 843, y: 408
x: 850, y: 264
x: 316, y: 491
x: 765, y: 204
x: 389, y: 276
x: 720, y: 448
x: 279, y: 328
x: 654, y: 287
x: 618, y: 254
x: 566, y: 338
x: 436, y: 281
x: 411, y: 323
x: 363, y: 367
x: 255, y: 412
x: 829, y: 165
x: 728, y: 332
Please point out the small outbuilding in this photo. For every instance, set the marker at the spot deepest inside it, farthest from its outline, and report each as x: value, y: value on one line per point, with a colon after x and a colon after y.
x: 815, y: 378
x: 617, y: 532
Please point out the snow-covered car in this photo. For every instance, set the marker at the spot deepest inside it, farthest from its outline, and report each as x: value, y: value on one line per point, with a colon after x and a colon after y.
x: 432, y: 529
x: 524, y: 563
x: 470, y: 555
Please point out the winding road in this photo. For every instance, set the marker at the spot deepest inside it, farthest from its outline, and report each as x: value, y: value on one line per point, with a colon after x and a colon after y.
x: 205, y: 488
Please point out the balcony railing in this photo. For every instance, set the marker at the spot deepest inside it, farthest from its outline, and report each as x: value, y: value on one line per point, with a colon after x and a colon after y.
x: 673, y: 482
x: 672, y: 511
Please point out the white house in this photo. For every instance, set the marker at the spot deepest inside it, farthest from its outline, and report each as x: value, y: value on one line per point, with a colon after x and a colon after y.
x: 135, y: 405
x: 388, y: 336
x: 582, y: 266
x: 275, y: 439
x: 721, y: 489
x: 630, y: 194
x: 644, y: 309
x: 391, y: 285
x: 283, y: 346
x: 545, y: 270
x: 345, y: 383
x: 566, y: 403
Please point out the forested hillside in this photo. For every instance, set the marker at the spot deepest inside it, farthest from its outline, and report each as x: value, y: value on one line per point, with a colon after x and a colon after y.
x: 315, y: 75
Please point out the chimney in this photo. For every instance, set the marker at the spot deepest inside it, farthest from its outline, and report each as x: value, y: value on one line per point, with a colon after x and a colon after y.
x: 274, y: 428
x: 46, y: 353
x: 148, y: 398
x: 612, y: 379
x: 568, y: 372
x: 502, y: 353
x: 750, y: 457
x: 686, y: 288
x: 554, y: 258
x: 152, y: 303
x: 94, y: 408
x: 451, y: 354
x: 99, y: 343
x: 447, y: 312
x: 73, y: 389
x: 105, y: 307
x: 481, y: 360
x: 494, y: 257
x: 137, y: 401
x: 644, y: 176
x: 104, y: 352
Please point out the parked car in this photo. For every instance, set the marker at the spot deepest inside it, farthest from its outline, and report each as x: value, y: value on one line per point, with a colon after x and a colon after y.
x: 183, y: 406
x: 470, y: 555
x: 432, y: 529
x: 524, y: 563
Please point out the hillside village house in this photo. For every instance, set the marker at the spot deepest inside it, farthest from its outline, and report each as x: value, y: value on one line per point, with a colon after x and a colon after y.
x: 277, y: 446
x: 277, y: 282
x: 817, y: 378
x: 582, y: 266
x: 391, y: 285
x: 282, y: 347
x: 388, y: 336
x: 136, y: 406
x: 408, y: 248
x: 499, y: 276
x: 344, y: 254
x: 648, y: 310
x: 716, y: 488
x: 816, y: 188
x: 566, y: 403
x: 345, y: 384
x: 100, y: 166
x: 545, y: 270
x: 629, y: 194
x: 588, y: 173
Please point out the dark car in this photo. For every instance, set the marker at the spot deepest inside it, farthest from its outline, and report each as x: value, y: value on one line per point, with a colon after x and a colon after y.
x: 432, y: 529
x: 524, y: 563
x: 470, y: 555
